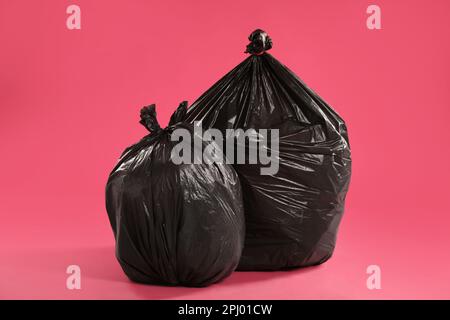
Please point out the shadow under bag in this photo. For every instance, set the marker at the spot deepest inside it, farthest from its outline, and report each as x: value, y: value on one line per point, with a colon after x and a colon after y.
x: 292, y: 216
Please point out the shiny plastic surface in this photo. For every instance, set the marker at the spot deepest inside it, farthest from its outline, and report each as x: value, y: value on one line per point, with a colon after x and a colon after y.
x: 292, y: 217
x: 173, y: 224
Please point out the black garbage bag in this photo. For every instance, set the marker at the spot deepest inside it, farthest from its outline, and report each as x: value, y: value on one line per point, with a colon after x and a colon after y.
x: 292, y: 216
x: 174, y: 224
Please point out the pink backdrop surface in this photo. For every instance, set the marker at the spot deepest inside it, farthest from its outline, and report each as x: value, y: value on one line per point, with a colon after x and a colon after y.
x: 70, y: 100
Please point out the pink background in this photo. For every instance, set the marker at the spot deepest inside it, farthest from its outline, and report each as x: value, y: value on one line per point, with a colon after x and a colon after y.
x: 69, y: 104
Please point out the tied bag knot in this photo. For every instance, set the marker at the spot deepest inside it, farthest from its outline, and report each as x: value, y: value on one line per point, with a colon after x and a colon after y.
x: 260, y: 42
x: 150, y: 121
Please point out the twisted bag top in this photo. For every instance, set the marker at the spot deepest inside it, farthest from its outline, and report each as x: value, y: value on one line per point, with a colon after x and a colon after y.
x: 292, y: 216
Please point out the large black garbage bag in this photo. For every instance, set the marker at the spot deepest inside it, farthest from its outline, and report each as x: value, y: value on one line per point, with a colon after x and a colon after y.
x: 292, y: 216
x: 174, y: 224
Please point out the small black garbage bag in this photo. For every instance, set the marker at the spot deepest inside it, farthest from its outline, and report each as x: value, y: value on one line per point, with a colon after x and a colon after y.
x: 292, y: 216
x: 174, y: 224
